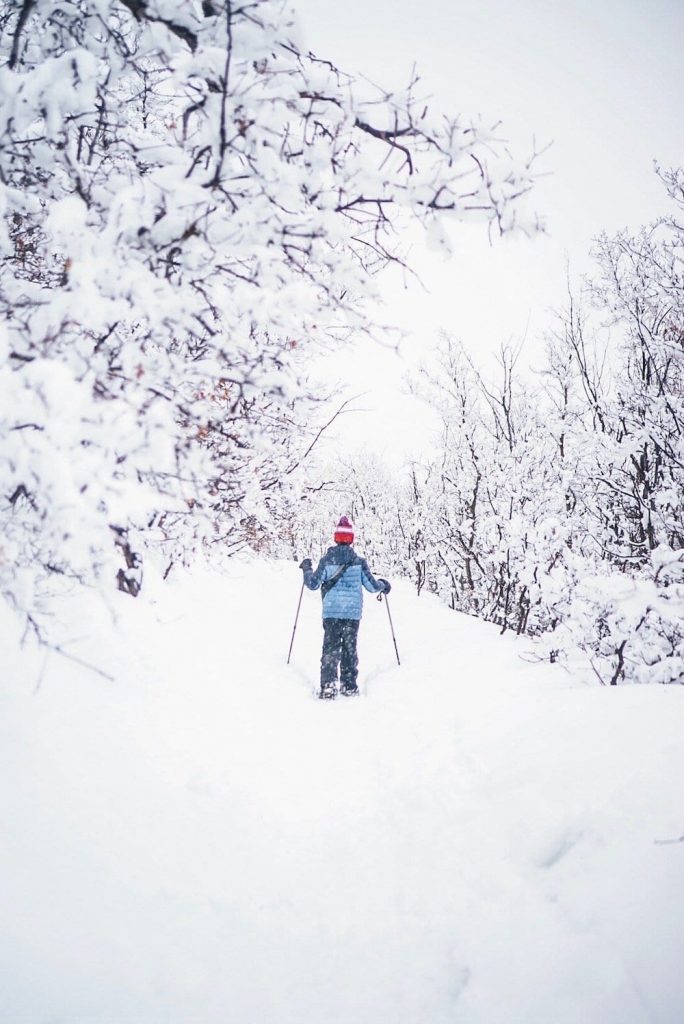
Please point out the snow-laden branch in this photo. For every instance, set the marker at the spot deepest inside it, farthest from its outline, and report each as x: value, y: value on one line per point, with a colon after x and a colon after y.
x: 193, y: 205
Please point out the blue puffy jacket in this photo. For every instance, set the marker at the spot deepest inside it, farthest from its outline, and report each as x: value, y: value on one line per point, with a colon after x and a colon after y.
x: 345, y: 599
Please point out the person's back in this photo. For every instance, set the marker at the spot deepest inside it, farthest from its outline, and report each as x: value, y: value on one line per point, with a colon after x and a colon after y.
x: 344, y: 600
x: 342, y: 575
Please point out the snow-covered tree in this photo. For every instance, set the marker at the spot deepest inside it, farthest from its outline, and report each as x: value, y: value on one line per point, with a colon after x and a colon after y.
x: 494, y: 519
x: 554, y: 502
x: 561, y: 510
x: 629, y: 614
x: 193, y: 206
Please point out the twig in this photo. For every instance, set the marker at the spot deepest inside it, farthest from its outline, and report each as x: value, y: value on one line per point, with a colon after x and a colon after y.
x: 322, y: 430
x: 41, y: 674
x: 21, y: 23
x: 82, y: 663
x: 42, y: 642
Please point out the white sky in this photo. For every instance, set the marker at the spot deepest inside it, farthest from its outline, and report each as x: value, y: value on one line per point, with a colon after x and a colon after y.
x: 602, y: 79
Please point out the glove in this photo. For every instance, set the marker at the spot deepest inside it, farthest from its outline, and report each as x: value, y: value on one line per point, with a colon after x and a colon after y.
x: 386, y: 586
x: 306, y: 565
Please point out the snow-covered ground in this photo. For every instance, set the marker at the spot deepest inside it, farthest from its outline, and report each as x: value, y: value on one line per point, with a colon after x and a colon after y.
x: 476, y: 840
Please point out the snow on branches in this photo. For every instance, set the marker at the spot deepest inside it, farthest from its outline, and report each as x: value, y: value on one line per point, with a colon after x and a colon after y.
x: 192, y: 206
x: 553, y: 504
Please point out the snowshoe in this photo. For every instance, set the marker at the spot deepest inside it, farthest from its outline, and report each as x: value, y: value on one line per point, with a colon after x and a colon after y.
x: 349, y: 691
x: 327, y: 693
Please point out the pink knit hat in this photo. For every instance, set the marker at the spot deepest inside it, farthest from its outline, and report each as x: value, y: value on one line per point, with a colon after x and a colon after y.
x: 344, y: 532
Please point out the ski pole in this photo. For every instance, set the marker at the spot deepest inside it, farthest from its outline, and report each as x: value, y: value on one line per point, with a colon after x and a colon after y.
x: 389, y: 615
x: 294, y: 629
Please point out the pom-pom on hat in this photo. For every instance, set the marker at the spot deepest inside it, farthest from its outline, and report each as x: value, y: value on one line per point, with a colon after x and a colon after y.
x: 344, y: 532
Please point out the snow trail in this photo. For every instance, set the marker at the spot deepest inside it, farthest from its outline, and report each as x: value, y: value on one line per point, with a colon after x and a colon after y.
x: 472, y: 840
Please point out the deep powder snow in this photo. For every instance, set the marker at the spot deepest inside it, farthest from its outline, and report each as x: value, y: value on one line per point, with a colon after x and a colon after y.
x: 474, y: 840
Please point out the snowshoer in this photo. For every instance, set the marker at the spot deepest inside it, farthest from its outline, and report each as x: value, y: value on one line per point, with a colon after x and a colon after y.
x: 341, y: 574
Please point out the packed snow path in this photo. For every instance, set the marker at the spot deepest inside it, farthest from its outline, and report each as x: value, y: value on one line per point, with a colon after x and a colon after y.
x: 475, y: 840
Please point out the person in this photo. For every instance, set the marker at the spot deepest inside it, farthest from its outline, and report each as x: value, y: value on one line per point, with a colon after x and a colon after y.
x: 341, y: 574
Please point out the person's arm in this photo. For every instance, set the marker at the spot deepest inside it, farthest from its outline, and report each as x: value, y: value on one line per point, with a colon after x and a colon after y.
x: 312, y: 579
x: 370, y: 583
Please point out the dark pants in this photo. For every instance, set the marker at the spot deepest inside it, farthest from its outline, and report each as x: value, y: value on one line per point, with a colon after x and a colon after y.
x: 339, y: 653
